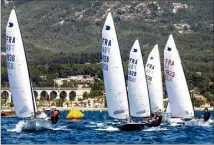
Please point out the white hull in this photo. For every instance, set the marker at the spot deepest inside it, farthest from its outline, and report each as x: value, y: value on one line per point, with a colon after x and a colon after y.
x: 179, y: 121
x: 37, y: 125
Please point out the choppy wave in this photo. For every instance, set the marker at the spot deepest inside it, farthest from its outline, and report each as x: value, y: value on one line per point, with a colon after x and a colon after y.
x: 109, y: 128
x: 155, y: 129
x: 18, y: 127
x: 96, y: 128
x: 61, y: 128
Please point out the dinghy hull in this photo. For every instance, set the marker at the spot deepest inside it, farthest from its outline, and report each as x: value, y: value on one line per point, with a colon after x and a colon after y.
x: 37, y: 125
x: 132, y: 127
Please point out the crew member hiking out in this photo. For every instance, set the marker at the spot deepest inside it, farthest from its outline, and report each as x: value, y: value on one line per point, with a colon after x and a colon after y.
x: 156, y: 120
x: 54, y: 116
x: 206, y: 115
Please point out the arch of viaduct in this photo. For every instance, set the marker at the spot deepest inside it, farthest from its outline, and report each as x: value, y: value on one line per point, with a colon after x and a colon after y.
x: 50, y: 94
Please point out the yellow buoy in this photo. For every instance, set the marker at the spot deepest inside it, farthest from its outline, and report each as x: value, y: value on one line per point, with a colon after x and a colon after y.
x: 74, y: 114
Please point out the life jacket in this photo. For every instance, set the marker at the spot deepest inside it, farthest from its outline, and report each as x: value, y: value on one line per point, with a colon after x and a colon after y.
x: 206, y: 116
x: 54, y: 116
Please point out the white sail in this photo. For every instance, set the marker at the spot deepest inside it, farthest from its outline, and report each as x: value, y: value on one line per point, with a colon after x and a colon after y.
x: 137, y: 87
x: 114, y: 80
x: 154, y: 80
x: 176, y: 86
x: 168, y: 111
x: 17, y: 69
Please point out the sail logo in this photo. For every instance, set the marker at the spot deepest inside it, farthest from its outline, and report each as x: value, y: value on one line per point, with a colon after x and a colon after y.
x: 10, y: 39
x: 106, y: 42
x: 135, y: 50
x: 169, y: 49
x: 107, y: 28
x: 10, y: 24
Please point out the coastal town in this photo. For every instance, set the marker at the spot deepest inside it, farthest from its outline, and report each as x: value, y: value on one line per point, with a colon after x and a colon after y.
x: 63, y: 98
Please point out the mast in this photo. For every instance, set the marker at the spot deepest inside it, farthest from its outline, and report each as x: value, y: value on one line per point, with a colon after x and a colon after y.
x: 32, y: 95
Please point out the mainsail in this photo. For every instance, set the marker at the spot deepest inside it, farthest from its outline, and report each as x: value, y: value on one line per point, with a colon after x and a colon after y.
x: 137, y: 86
x: 176, y: 85
x: 114, y: 81
x: 17, y: 70
x: 154, y: 80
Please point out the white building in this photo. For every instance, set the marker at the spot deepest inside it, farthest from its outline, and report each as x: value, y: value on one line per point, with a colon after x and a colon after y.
x: 80, y: 78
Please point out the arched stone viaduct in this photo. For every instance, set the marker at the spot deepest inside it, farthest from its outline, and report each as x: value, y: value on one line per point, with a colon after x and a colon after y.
x: 50, y: 94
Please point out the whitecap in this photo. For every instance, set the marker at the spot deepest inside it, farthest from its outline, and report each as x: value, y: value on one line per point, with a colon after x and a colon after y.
x: 61, y: 128
x: 18, y: 127
x: 110, y: 128
x: 155, y: 129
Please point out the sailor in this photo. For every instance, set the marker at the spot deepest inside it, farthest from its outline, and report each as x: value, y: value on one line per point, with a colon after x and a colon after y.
x: 54, y: 116
x: 206, y: 114
x: 43, y: 114
x: 156, y: 120
x: 159, y: 113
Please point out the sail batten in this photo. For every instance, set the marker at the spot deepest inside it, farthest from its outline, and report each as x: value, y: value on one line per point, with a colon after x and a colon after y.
x: 176, y: 85
x: 17, y: 69
x: 114, y: 82
x: 137, y: 86
x: 154, y: 80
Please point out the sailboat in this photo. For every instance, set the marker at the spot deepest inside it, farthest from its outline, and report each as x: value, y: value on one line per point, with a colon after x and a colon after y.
x: 138, y: 94
x: 154, y: 80
x: 137, y: 86
x: 114, y: 80
x: 19, y: 80
x: 176, y: 85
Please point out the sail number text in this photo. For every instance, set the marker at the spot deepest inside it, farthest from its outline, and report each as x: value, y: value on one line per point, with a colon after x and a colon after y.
x: 169, y: 73
x: 106, y: 44
x: 132, y: 73
x: 10, y: 59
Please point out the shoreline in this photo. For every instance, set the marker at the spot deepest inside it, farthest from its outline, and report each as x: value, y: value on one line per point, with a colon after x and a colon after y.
x: 95, y: 109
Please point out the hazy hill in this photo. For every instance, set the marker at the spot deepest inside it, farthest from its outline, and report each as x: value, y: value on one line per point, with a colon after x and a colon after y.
x: 51, y: 27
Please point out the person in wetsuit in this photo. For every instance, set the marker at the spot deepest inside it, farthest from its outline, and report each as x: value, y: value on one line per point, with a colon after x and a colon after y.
x: 54, y: 116
x: 206, y: 115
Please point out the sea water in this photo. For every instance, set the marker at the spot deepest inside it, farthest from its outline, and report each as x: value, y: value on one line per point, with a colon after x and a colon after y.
x: 96, y: 127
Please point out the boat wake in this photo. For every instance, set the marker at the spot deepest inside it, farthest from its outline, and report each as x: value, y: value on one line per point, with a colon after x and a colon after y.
x: 174, y: 124
x: 110, y: 128
x: 155, y: 129
x: 194, y: 122
x: 60, y: 128
x: 199, y: 122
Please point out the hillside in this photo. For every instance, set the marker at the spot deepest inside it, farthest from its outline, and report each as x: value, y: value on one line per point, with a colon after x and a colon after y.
x: 75, y: 26
x: 63, y: 38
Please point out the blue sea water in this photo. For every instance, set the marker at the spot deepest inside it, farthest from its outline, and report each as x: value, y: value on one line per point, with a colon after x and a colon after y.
x: 96, y: 127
